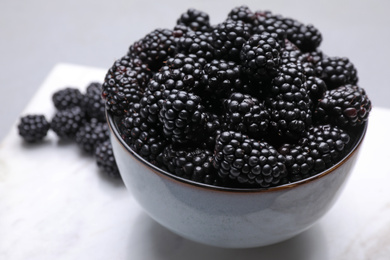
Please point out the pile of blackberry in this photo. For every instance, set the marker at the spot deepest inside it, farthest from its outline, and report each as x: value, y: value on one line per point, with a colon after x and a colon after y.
x: 80, y: 118
x: 250, y: 102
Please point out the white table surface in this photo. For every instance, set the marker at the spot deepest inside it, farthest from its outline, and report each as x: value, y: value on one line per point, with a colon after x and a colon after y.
x: 55, y: 204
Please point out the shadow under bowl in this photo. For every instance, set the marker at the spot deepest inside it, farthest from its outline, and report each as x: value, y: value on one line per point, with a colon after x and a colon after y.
x: 231, y: 217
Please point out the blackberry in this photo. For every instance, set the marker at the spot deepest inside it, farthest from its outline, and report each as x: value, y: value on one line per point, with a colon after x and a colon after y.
x: 33, y: 128
x: 244, y: 14
x: 196, y: 20
x: 93, y: 103
x: 124, y: 84
x: 344, y: 106
x: 248, y: 162
x: 67, y: 98
x: 220, y: 77
x: 197, y: 43
x: 66, y: 123
x: 154, y: 48
x: 260, y: 56
x: 145, y: 138
x: 228, y: 38
x: 190, y: 163
x: 213, y: 128
x: 326, y: 145
x: 91, y: 134
x: 105, y: 159
x: 290, y: 53
x: 337, y: 71
x: 273, y: 27
x: 245, y: 114
x: 182, y: 116
x: 316, y: 88
x: 299, y: 162
x: 289, y: 102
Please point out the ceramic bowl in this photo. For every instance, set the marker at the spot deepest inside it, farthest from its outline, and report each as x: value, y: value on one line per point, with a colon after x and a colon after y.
x: 229, y: 217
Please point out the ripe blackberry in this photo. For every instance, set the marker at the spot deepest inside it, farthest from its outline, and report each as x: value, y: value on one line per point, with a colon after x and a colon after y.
x: 196, y: 20
x: 182, y: 116
x: 66, y: 123
x: 105, y: 159
x: 33, y: 128
x: 290, y: 53
x: 228, y: 38
x: 91, y: 134
x: 154, y: 48
x: 344, y: 106
x: 274, y: 27
x: 213, y: 128
x: 67, y: 98
x: 124, y: 84
x: 299, y: 162
x: 220, y: 77
x: 316, y: 88
x: 289, y: 103
x: 145, y: 138
x: 260, y: 56
x: 326, y: 145
x: 197, y: 43
x: 93, y: 103
x: 190, y: 163
x: 244, y: 14
x: 337, y: 71
x: 245, y: 114
x: 248, y: 162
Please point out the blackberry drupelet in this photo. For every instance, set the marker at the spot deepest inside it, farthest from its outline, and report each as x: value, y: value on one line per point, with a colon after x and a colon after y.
x: 182, y: 116
x: 274, y: 27
x: 260, y: 56
x: 154, y: 48
x: 316, y: 89
x: 105, y: 159
x: 344, y: 106
x: 67, y: 98
x: 93, y: 103
x: 66, y: 123
x: 336, y: 72
x: 124, y: 84
x: 33, y: 128
x: 249, y: 163
x: 190, y: 163
x: 221, y: 77
x: 228, y: 38
x: 326, y: 145
x: 244, y: 14
x: 289, y: 103
x: 197, y: 43
x: 91, y: 134
x: 213, y: 127
x: 195, y: 20
x: 246, y: 114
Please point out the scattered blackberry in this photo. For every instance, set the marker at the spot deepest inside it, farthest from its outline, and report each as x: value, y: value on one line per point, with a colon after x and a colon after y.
x: 337, y: 71
x: 93, y: 103
x: 144, y: 137
x: 182, y: 116
x: 260, y: 56
x: 190, y: 163
x: 91, y: 134
x: 196, y: 20
x: 248, y: 162
x: 220, y: 77
x: 67, y: 98
x: 344, y: 106
x: 245, y: 114
x: 326, y: 145
x: 197, y: 43
x: 105, y: 159
x: 289, y: 103
x: 154, y: 48
x: 124, y: 84
x: 66, y: 123
x: 244, y: 14
x: 316, y: 88
x: 228, y: 38
x: 33, y: 128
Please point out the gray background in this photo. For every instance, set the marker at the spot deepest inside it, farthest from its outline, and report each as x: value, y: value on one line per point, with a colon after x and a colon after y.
x: 37, y: 34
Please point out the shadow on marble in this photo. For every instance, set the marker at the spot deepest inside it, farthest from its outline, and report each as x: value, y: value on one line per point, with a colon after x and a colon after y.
x: 156, y: 242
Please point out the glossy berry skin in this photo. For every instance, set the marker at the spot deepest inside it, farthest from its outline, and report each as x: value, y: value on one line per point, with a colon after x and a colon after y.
x: 33, y: 128
x: 337, y: 71
x: 195, y: 20
x: 91, y: 134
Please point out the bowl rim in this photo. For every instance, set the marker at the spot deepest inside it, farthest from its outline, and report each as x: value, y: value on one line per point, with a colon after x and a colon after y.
x: 113, y: 129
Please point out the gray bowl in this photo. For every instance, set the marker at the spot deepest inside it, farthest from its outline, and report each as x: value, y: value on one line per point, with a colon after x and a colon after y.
x: 230, y: 217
